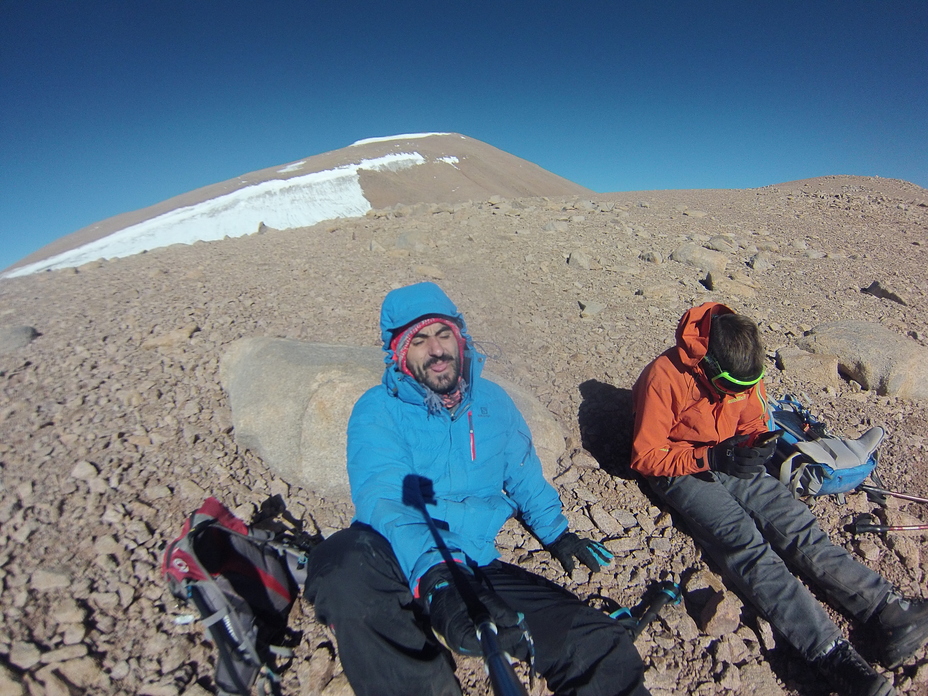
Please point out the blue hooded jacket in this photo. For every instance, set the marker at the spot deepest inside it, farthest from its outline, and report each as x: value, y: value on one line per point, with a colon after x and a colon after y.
x: 471, y: 471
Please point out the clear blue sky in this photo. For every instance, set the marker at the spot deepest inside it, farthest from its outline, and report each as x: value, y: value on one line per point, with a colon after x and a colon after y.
x: 109, y: 106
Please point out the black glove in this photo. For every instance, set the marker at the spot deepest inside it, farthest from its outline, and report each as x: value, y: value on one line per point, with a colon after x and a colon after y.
x: 452, y: 622
x: 591, y: 553
x: 736, y: 457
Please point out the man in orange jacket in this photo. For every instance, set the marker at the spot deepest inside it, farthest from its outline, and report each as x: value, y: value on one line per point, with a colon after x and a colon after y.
x: 701, y: 440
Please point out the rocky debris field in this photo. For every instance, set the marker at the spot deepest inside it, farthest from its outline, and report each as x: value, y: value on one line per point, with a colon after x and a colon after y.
x: 114, y: 426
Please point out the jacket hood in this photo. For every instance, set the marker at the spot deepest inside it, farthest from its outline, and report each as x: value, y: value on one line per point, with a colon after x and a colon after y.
x: 402, y: 307
x: 693, y: 332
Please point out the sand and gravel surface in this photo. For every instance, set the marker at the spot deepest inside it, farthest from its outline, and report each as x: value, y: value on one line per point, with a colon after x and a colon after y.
x: 114, y: 427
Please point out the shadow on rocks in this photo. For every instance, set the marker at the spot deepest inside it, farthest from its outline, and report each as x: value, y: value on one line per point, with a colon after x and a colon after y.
x: 606, y: 420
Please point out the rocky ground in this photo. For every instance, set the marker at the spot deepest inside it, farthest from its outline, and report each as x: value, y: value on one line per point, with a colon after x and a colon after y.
x: 113, y: 425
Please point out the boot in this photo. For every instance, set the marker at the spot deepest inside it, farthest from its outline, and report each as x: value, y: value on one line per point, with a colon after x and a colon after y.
x: 903, y: 625
x: 850, y: 675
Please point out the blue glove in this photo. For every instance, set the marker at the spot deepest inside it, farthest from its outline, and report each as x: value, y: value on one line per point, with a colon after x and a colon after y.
x: 569, y: 546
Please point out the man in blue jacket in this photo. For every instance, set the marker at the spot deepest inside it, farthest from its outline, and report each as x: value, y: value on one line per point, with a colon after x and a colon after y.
x: 438, y: 460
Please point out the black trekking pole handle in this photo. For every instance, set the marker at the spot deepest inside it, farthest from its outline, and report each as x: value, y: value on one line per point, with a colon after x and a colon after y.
x: 894, y: 494
x: 867, y: 523
x: 668, y: 592
x: 863, y: 528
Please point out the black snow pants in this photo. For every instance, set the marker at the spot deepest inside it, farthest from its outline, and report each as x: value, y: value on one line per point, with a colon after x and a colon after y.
x: 387, y: 649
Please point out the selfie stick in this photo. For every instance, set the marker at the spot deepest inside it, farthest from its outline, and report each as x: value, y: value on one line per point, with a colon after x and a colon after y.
x: 503, y: 677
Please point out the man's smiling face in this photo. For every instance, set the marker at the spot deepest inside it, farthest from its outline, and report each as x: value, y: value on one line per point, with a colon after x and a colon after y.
x: 434, y: 359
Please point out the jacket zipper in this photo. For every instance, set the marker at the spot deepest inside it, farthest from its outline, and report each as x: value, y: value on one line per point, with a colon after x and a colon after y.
x: 470, y: 428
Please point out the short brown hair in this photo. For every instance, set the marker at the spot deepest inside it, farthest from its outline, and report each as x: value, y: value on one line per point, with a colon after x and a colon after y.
x: 735, y: 343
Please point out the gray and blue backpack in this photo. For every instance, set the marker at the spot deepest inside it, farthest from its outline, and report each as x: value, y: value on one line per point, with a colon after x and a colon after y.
x: 812, y: 462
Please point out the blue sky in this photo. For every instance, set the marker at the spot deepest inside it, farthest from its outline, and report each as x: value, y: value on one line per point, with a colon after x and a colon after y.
x: 110, y: 106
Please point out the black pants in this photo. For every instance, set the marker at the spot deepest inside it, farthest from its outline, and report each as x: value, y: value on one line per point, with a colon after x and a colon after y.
x: 386, y: 647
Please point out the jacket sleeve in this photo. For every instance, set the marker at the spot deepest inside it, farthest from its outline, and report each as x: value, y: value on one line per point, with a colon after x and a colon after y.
x: 537, y: 500
x: 386, y: 493
x: 657, y: 398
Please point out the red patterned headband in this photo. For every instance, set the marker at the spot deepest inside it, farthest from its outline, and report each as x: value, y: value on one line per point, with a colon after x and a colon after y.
x: 401, y: 341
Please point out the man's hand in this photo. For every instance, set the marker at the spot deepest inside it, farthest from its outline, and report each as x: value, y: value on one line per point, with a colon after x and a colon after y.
x: 736, y: 457
x: 569, y: 546
x: 452, y: 621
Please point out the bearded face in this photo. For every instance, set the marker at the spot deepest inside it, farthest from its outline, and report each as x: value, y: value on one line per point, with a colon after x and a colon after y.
x: 434, y: 358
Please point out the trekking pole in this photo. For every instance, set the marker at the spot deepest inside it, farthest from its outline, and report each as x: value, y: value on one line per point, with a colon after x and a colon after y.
x: 667, y: 592
x: 503, y: 677
x: 868, y: 523
x: 894, y: 494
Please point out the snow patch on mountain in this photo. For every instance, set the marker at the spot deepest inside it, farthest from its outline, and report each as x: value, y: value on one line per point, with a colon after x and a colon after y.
x: 388, y: 138
x: 292, y: 167
x: 300, y: 201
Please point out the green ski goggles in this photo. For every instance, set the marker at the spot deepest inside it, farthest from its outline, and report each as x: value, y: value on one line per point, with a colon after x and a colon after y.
x: 724, y: 383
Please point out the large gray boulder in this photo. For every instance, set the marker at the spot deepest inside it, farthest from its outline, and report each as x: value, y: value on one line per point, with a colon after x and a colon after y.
x: 291, y: 401
x: 873, y: 356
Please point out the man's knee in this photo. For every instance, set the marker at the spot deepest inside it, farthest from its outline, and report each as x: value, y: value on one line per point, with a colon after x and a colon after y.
x: 354, y: 563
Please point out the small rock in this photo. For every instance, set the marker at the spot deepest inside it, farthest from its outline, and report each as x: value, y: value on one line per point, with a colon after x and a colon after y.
x: 68, y: 652
x: 84, y: 471
x: 580, y: 259
x: 721, y: 615
x: 44, y: 580
x: 583, y: 460
x: 590, y: 309
x: 159, y: 690
x: 171, y: 339
x: 430, y: 272
x: 625, y: 518
x: 15, y: 337
x: 606, y: 522
x: 659, y: 545
x: 761, y: 261
x: 191, y: 490
x: 67, y: 611
x: 720, y: 243
x: 106, y: 544
x: 120, y: 670
x: 623, y: 545
x: 24, y: 655
x: 765, y: 635
x: 156, y: 492
x: 10, y: 684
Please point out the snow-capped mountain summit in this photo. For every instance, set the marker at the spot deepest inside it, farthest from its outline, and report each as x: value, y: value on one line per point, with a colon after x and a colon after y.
x: 373, y: 173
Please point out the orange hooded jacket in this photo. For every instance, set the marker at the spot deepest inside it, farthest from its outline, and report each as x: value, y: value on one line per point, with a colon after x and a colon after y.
x: 679, y: 414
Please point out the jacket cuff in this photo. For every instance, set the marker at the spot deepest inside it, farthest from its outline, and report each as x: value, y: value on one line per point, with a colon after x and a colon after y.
x: 420, y: 586
x: 561, y: 527
x: 702, y: 462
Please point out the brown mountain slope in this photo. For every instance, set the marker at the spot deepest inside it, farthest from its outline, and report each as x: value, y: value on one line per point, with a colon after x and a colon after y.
x: 456, y: 169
